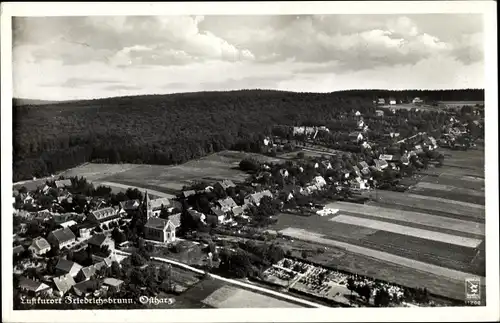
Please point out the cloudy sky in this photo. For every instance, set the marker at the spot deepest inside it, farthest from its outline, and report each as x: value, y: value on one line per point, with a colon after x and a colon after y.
x: 62, y: 58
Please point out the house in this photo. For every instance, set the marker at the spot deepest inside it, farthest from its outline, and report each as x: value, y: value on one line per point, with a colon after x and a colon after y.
x: 17, y: 250
x: 319, y: 182
x: 359, y: 184
x: 366, y: 145
x: 224, y: 185
x: 100, y: 240
x: 155, y: 206
x: 387, y: 157
x: 222, y: 217
x: 433, y: 142
x: 356, y: 171
x: 130, y: 205
x: 417, y: 100
x: 361, y: 124
x: 256, y: 197
x: 326, y: 164
x: 238, y: 211
x: 379, y: 113
x: 405, y: 160
x: 89, y: 272
x: 65, y: 266
x: 363, y: 165
x: 227, y: 204
x: 63, y: 183
x: 392, y: 101
x: 186, y: 194
x: 113, y: 284
x: 68, y: 224
x: 61, y: 238
x: 39, y: 246
x: 381, y: 101
x: 104, y: 215
x: 356, y: 136
x: 345, y: 173
x: 381, y: 164
x: 63, y: 284
x: 357, y: 114
x: 160, y: 230
x: 33, y: 287
x: 86, y: 288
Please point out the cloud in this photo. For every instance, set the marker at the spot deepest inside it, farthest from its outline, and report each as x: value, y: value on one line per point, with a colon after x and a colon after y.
x: 76, y: 57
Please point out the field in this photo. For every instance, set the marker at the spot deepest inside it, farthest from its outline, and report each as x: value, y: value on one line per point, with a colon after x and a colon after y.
x: 431, y: 236
x: 162, y: 180
x: 233, y: 297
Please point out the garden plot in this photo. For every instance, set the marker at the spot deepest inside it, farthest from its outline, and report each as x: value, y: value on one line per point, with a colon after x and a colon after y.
x: 232, y: 297
x: 412, y: 217
x: 410, y: 231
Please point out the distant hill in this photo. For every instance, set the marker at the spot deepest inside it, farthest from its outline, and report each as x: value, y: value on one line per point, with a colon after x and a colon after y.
x: 20, y: 102
x: 169, y: 129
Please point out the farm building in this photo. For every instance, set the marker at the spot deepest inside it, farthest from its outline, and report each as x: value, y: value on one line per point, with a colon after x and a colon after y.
x: 61, y: 238
x: 39, y: 246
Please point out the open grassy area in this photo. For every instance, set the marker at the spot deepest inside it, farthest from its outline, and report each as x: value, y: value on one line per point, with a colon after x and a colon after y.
x: 233, y: 297
x: 223, y: 165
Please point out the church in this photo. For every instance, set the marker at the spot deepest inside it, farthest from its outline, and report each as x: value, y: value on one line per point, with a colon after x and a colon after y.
x: 157, y: 229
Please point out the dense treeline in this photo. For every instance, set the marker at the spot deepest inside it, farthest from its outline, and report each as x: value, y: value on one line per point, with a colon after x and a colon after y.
x: 427, y: 95
x: 163, y: 129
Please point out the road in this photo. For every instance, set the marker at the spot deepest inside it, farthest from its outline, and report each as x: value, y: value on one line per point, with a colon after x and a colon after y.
x: 238, y: 283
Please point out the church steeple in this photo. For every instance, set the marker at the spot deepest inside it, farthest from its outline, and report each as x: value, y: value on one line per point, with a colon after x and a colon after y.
x: 146, y: 204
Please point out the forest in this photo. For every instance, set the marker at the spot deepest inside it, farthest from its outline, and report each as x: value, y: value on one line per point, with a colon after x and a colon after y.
x: 172, y: 129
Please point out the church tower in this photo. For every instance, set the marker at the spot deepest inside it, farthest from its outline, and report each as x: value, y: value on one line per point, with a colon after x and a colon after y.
x: 146, y: 204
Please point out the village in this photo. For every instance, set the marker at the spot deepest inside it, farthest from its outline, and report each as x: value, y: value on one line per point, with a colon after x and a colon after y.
x: 71, y: 238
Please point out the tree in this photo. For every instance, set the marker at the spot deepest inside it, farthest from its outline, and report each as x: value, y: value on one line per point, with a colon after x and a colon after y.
x: 137, y: 260
x: 351, y: 285
x: 249, y: 165
x: 300, y: 155
x: 364, y: 291
x: 382, y: 298
x: 304, y: 254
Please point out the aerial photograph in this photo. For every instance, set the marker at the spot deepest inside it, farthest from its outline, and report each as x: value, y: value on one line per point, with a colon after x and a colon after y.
x: 248, y: 161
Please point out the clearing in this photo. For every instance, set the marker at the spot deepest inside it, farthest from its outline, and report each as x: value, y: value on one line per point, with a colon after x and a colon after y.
x: 233, y: 297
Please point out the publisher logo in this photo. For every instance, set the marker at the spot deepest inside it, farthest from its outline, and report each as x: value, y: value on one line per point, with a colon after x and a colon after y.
x: 472, y: 289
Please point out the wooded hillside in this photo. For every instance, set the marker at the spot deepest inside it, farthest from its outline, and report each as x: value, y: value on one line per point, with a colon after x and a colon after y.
x: 163, y: 129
